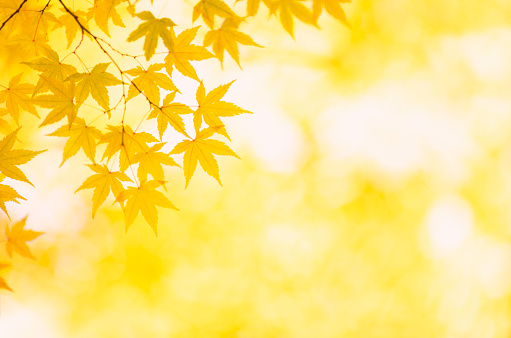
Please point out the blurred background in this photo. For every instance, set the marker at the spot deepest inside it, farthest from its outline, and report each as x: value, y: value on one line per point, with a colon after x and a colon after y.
x: 372, y: 198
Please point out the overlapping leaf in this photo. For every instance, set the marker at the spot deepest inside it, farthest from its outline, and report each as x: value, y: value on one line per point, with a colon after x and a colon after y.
x: 144, y: 199
x: 152, y: 29
x: 81, y: 136
x: 227, y: 39
x: 208, y: 9
x: 201, y: 150
x: 16, y: 97
x: 150, y: 163
x: 70, y: 24
x: 184, y: 52
x: 50, y: 67
x: 288, y: 9
x: 129, y: 143
x: 211, y: 108
x: 62, y: 101
x: 95, y: 83
x: 169, y: 113
x: 102, y: 11
x: 148, y: 82
x: 103, y: 182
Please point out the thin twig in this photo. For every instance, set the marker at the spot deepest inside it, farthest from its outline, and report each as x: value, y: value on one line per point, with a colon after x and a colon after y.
x: 13, y: 14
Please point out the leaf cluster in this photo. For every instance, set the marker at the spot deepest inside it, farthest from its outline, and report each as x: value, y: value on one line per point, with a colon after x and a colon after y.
x: 83, y: 103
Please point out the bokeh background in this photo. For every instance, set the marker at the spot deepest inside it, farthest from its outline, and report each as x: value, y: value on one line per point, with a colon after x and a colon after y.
x: 372, y: 199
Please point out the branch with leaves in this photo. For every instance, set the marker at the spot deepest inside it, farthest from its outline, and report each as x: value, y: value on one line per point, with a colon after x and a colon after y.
x: 90, y: 112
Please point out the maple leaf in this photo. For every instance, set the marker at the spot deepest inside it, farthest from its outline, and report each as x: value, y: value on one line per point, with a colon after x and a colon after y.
x: 169, y: 113
x: 227, y: 38
x: 8, y: 194
x: 145, y: 199
x: 44, y: 18
x: 201, y: 150
x: 62, y: 101
x: 104, y: 10
x: 103, y: 182
x: 81, y: 136
x: 123, y: 137
x: 5, y: 128
x: 253, y: 6
x: 16, y: 96
x: 332, y: 7
x: 9, y: 159
x: 150, y: 163
x: 7, y: 7
x: 3, y: 283
x: 51, y: 68
x: 70, y: 24
x: 148, y: 81
x: 95, y: 83
x: 184, y: 52
x: 153, y: 28
x: 17, y: 237
x: 31, y: 44
x: 288, y: 8
x: 209, y: 8
x: 211, y: 108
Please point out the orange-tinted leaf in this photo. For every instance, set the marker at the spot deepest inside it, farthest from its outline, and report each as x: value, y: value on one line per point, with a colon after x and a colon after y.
x: 17, y: 238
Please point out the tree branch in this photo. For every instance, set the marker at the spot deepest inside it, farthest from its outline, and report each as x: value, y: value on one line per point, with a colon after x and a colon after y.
x: 13, y: 14
x: 98, y: 41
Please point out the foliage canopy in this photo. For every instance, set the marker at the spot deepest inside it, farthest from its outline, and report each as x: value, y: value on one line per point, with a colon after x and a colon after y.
x: 89, y: 103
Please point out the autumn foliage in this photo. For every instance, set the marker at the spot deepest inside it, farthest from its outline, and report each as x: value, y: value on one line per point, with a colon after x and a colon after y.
x: 88, y: 103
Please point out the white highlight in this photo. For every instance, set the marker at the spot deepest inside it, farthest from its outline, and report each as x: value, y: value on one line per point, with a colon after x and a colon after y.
x: 449, y: 224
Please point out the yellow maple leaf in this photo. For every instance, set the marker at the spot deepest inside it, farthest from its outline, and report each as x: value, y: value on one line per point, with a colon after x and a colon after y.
x: 291, y: 8
x: 62, y: 101
x: 81, y: 136
x: 70, y: 24
x: 227, y: 38
x: 95, y: 83
x: 17, y: 237
x: 184, y: 52
x: 169, y: 113
x: 148, y: 82
x: 209, y: 8
x: 332, y: 7
x: 50, y: 67
x: 10, y: 159
x: 3, y: 283
x: 253, y: 6
x: 8, y: 194
x: 16, y: 96
x: 153, y: 28
x: 103, y: 182
x: 150, y: 163
x: 104, y: 10
x: 145, y: 199
x: 5, y: 128
x: 123, y: 138
x: 211, y: 108
x: 201, y: 150
x: 31, y: 44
